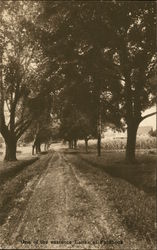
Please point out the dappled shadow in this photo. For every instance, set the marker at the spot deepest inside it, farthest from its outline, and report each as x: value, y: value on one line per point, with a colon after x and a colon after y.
x: 15, y: 177
x: 8, y: 173
x: 71, y: 152
x: 76, y: 151
x: 140, y: 175
x: 134, y: 175
x: 43, y: 152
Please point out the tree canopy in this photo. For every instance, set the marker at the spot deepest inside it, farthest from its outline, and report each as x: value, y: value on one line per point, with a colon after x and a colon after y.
x: 22, y: 75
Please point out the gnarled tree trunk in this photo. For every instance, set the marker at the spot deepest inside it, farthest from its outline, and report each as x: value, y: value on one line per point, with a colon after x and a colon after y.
x: 10, y: 153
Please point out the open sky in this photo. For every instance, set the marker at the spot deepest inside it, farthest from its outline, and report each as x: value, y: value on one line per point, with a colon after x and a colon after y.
x: 150, y: 121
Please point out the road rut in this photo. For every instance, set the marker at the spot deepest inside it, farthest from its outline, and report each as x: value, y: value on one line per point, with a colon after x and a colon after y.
x: 70, y: 210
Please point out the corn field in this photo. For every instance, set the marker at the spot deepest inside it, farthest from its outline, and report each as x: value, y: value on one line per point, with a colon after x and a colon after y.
x: 120, y: 144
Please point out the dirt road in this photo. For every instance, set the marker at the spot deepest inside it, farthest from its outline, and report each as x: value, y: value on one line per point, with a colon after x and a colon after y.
x: 70, y: 208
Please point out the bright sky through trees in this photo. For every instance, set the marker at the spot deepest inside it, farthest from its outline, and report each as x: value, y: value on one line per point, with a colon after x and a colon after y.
x: 150, y: 121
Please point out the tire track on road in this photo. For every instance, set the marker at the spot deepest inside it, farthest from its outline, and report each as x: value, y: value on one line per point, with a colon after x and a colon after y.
x: 68, y: 204
x: 108, y: 223
x: 16, y: 233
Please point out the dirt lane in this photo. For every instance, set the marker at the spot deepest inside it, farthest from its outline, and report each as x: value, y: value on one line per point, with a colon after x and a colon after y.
x: 71, y: 206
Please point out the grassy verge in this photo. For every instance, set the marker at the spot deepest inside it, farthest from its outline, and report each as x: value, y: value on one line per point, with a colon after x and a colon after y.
x: 136, y: 207
x: 9, y: 170
x: 15, y: 178
x: 142, y: 175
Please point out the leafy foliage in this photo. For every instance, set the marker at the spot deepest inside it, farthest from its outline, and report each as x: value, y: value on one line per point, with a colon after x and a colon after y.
x: 23, y: 73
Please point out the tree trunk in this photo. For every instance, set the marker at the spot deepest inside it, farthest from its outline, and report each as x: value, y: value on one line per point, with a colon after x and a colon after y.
x: 75, y: 144
x: 38, y: 149
x: 99, y: 129
x: 99, y: 144
x: 131, y: 142
x: 70, y: 144
x: 10, y: 153
x: 33, y: 146
x: 86, y: 145
x: 46, y: 146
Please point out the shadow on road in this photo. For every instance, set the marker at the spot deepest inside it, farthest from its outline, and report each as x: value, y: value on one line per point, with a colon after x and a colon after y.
x: 141, y: 175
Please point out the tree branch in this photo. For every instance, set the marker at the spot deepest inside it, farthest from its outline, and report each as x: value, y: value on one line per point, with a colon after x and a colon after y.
x: 27, y: 64
x: 20, y: 125
x: 17, y: 92
x: 8, y: 105
x: 146, y: 116
x: 13, y: 107
x: 24, y: 128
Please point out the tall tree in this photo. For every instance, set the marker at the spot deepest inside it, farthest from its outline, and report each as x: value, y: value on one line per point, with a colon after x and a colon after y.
x: 114, y: 45
x: 80, y: 43
x: 22, y: 63
x: 133, y: 40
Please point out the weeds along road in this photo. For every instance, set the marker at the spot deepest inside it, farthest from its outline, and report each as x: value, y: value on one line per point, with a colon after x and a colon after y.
x: 69, y: 208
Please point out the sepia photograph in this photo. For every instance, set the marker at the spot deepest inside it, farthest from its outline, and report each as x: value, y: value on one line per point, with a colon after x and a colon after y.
x: 78, y: 133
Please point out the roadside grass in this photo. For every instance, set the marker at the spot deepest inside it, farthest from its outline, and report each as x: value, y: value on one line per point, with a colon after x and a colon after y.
x: 142, y: 174
x: 14, y: 178
x: 130, y: 188
x: 10, y: 169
